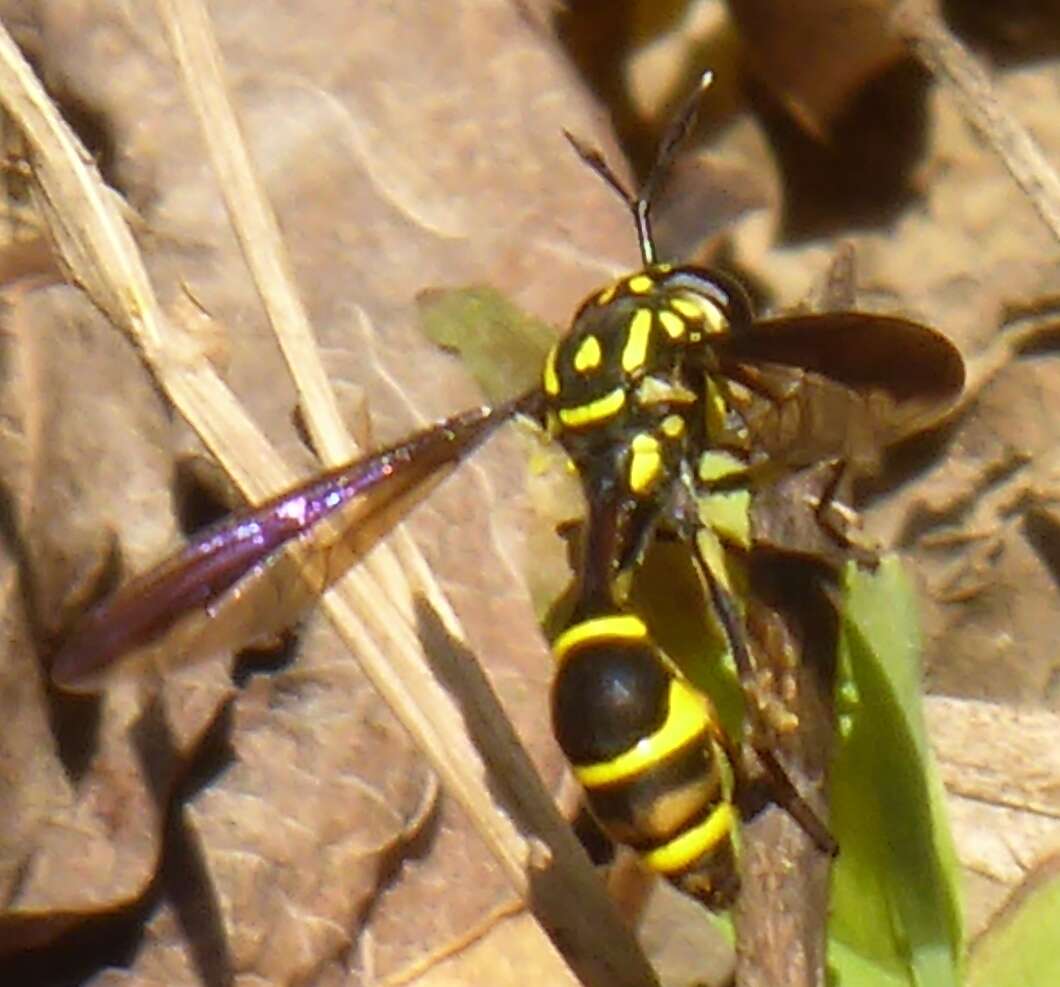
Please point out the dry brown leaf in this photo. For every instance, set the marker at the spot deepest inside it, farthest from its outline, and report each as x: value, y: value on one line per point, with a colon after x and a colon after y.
x: 78, y: 410
x: 814, y: 56
x: 1001, y: 769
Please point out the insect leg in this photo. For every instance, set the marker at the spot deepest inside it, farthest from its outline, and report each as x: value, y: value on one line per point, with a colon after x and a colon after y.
x: 805, y: 514
x: 838, y: 519
x: 783, y: 789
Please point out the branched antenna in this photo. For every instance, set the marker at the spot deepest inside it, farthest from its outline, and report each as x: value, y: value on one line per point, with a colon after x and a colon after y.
x: 640, y: 204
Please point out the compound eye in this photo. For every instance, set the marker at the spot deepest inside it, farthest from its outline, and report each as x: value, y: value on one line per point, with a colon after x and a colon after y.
x: 725, y: 307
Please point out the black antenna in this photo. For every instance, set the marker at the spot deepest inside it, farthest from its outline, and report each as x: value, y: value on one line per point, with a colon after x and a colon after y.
x: 640, y: 204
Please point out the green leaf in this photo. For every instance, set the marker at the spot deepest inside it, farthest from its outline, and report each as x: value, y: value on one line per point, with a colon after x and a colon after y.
x: 502, y: 347
x: 895, y: 891
x: 667, y: 592
x: 1019, y: 948
x: 847, y: 966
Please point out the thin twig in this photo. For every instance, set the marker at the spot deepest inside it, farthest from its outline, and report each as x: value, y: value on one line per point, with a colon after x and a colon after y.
x: 955, y: 67
x: 200, y: 61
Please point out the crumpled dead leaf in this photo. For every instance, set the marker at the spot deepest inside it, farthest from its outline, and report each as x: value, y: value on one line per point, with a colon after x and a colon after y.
x: 814, y: 56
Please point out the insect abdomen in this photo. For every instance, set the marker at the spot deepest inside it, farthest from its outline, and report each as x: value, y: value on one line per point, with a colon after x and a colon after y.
x: 646, y: 747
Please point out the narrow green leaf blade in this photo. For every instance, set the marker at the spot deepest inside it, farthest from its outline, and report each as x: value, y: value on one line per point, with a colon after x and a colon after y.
x: 895, y: 885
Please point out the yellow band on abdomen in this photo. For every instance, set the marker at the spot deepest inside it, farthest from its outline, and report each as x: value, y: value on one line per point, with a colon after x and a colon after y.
x: 684, y: 850
x: 689, y: 716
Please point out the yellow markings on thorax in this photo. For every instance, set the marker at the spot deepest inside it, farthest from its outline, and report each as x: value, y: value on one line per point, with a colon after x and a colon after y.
x: 550, y: 377
x: 640, y: 284
x: 683, y: 851
x: 635, y: 352
x: 672, y: 426
x: 716, y: 409
x: 699, y: 308
x: 729, y: 514
x: 723, y: 426
x: 684, y: 306
x: 655, y: 390
x: 589, y: 355
x: 605, y: 296
x: 594, y: 412
x: 717, y: 464
x: 645, y: 463
x: 618, y: 627
x: 672, y: 323
x: 688, y: 718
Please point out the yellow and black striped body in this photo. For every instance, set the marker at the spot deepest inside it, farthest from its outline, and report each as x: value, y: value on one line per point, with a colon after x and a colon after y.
x: 647, y: 748
x: 624, y: 388
x: 631, y: 397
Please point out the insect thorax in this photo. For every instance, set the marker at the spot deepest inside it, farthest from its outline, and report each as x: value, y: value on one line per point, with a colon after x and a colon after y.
x: 628, y: 388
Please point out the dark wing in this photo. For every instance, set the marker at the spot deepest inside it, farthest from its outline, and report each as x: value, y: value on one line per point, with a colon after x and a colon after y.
x: 840, y: 385
x: 252, y: 574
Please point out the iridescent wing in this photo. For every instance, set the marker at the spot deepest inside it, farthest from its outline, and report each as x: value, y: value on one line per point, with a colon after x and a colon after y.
x: 252, y: 574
